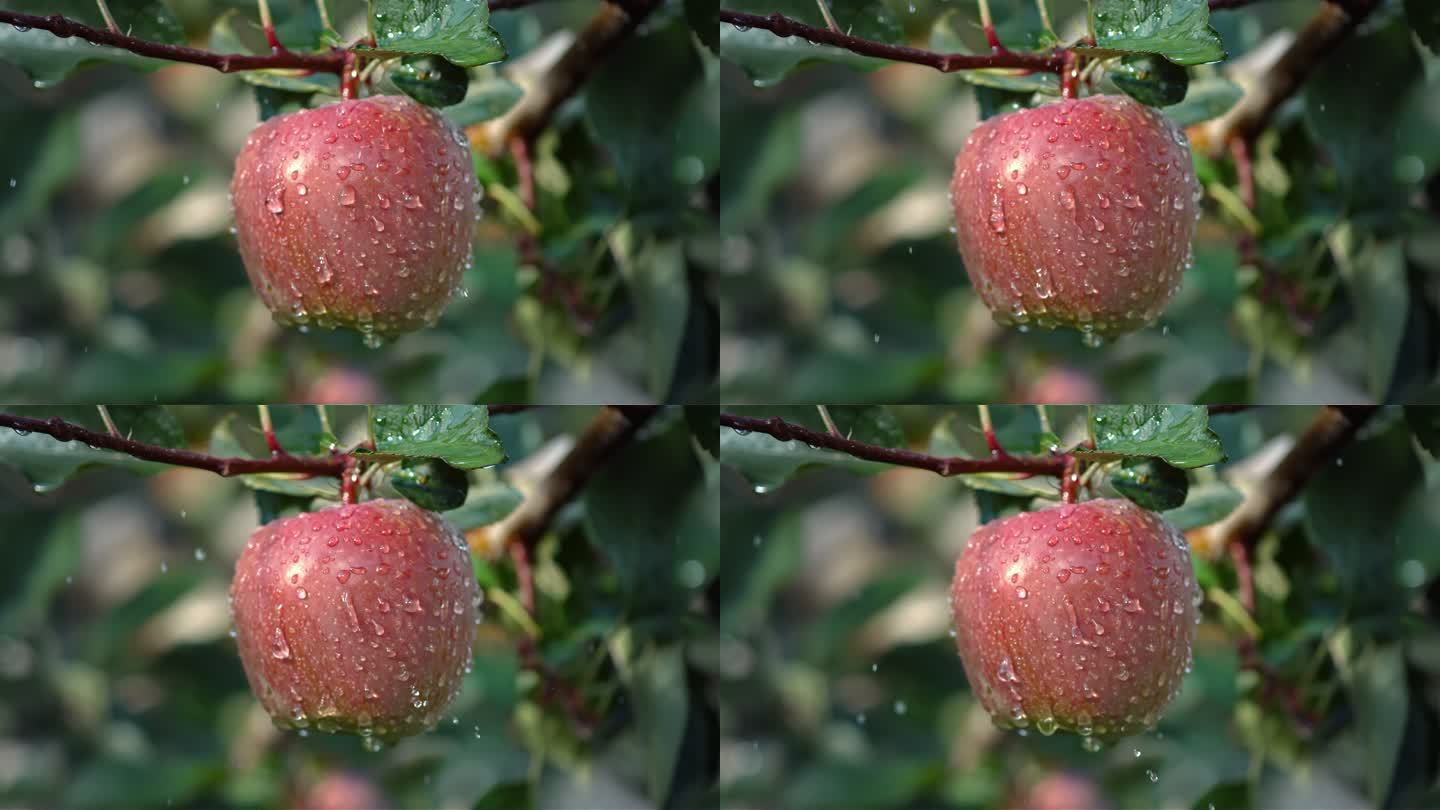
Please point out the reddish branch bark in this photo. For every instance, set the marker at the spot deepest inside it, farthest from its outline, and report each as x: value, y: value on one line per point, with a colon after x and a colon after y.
x: 60, y: 26
x: 782, y: 26
x: 67, y: 432
x: 955, y: 465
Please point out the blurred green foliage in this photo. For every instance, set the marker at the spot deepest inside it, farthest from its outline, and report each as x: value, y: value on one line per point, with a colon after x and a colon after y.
x: 843, y: 281
x: 120, y: 687
x: 843, y: 686
x: 120, y: 280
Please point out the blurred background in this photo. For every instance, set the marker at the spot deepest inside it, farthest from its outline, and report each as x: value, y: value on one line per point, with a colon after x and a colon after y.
x: 120, y: 279
x: 843, y: 282
x: 842, y: 687
x: 121, y: 687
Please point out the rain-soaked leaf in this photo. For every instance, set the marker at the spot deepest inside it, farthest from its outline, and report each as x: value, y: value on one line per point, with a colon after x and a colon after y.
x: 459, y: 434
x: 1151, y: 483
x: 47, y: 462
x: 430, y: 483
x: 458, y: 30
x: 1207, y: 98
x: 47, y: 58
x: 488, y: 99
x: 1151, y: 80
x: 487, y: 503
x: 1178, y: 30
x: 431, y: 80
x: 1179, y: 434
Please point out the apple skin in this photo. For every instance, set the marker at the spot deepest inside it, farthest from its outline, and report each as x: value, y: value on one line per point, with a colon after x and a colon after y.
x: 1076, y: 214
x: 1079, y: 617
x: 358, y: 618
x: 357, y: 214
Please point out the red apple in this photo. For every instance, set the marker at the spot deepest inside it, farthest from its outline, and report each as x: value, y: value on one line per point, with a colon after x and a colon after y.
x: 357, y: 214
x: 356, y: 618
x: 1077, y: 617
x: 1076, y: 214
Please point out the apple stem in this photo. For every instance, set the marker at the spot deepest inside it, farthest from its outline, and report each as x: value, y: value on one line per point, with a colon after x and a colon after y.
x: 1070, y: 76
x: 1070, y: 480
x: 988, y: 428
x: 350, y: 481
x: 268, y: 428
x: 267, y: 23
x: 350, y: 77
x: 829, y: 422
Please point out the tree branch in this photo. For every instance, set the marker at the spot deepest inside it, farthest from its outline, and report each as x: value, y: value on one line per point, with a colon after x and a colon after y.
x: 612, y: 428
x: 1332, y: 23
x: 65, y: 27
x: 1332, y: 429
x: 782, y: 26
x: 946, y: 466
x: 333, y: 466
x: 612, y: 22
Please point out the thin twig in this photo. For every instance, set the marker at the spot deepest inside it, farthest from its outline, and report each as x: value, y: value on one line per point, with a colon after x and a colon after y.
x: 941, y: 465
x: 109, y: 18
x: 66, y: 431
x: 829, y: 18
x: 65, y: 27
x: 109, y: 422
x: 828, y: 420
x: 782, y: 26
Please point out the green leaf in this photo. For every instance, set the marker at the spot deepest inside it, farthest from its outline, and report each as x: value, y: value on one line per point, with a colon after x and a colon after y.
x: 48, y: 59
x: 430, y: 483
x: 508, y: 796
x: 649, y: 515
x: 1179, y: 434
x: 58, y: 558
x: 1229, y: 795
x: 705, y: 427
x: 829, y: 637
x: 1354, y: 101
x: 489, y: 99
x: 639, y: 131
x: 273, y: 505
x: 768, y: 462
x: 1151, y: 80
x: 1151, y: 483
x: 1352, y: 514
x: 1207, y: 503
x: 1178, y: 30
x: 459, y: 434
x: 273, y: 102
x: 45, y: 173
x: 1206, y: 98
x: 1375, y: 681
x: 487, y: 503
x: 1375, y: 275
x: 151, y: 424
x: 48, y: 462
x: 659, y: 695
x: 655, y: 276
x: 945, y: 38
x: 224, y: 442
x: 1424, y: 17
x: 431, y: 80
x: 1424, y: 421
x: 458, y: 30
x: 767, y: 59
x: 704, y: 19
x: 234, y: 32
